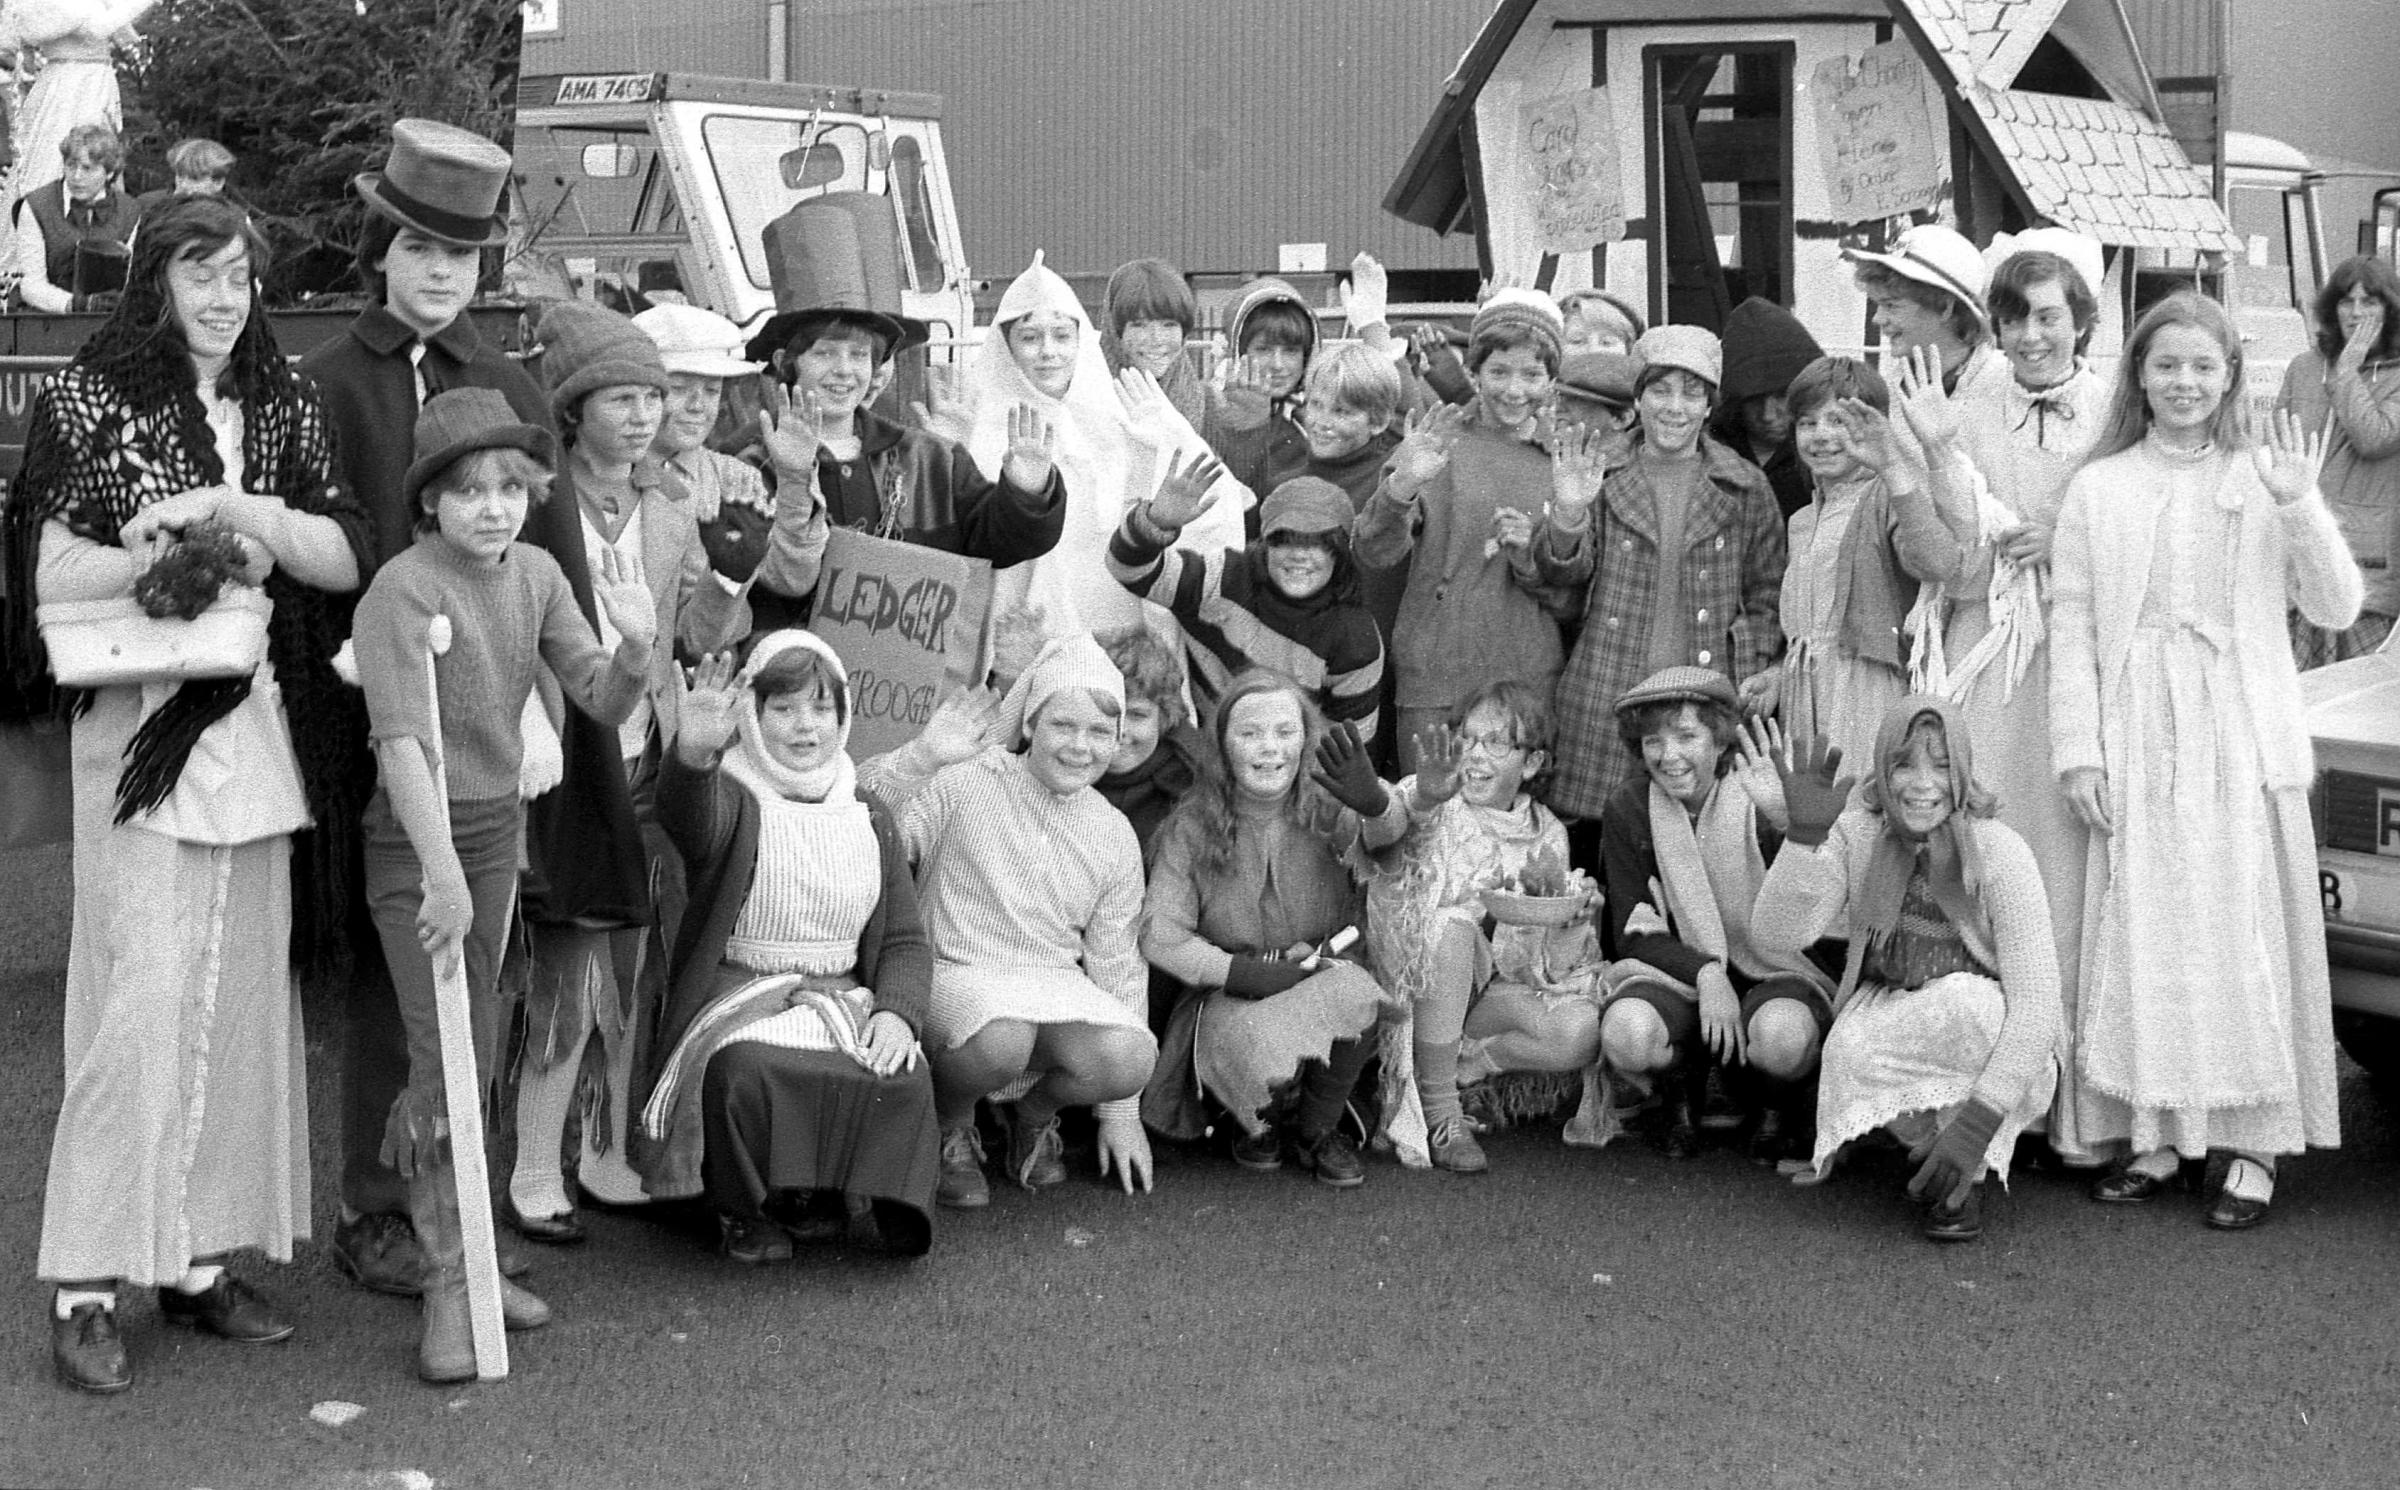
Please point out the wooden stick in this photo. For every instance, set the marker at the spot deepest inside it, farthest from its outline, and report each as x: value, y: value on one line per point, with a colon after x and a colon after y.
x: 462, y: 1088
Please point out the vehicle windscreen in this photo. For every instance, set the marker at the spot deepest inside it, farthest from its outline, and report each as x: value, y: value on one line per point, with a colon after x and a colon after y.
x: 600, y: 198
x: 766, y: 167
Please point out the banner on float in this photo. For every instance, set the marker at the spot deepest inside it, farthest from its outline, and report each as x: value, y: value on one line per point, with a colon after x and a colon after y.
x: 910, y: 623
x: 1875, y: 133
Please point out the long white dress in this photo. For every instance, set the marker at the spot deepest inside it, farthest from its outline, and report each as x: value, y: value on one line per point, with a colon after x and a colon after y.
x: 2205, y: 1019
x: 77, y: 83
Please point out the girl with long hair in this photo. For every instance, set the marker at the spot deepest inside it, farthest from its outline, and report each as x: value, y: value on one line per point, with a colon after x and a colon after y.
x: 1258, y: 870
x: 2204, y: 1022
x: 183, y: 1134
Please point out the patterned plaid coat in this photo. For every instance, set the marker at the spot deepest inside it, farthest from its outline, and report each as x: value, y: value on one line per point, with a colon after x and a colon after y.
x: 1732, y: 561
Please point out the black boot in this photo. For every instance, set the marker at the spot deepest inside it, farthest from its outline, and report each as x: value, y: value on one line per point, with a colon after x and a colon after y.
x: 1687, y: 1090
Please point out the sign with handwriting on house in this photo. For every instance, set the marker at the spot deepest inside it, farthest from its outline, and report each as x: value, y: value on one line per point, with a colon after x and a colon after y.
x: 1876, y: 133
x: 1570, y: 171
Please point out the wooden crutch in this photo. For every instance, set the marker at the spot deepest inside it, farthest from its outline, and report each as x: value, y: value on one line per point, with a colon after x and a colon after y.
x: 462, y: 1087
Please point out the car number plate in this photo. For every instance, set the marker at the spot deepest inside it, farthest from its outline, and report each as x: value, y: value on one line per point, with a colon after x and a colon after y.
x: 2359, y: 891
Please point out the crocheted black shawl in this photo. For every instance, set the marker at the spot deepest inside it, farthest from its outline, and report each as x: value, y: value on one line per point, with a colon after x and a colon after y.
x: 119, y: 430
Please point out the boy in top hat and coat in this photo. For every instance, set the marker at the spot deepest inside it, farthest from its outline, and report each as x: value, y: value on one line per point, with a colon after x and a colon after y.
x: 431, y: 211
x: 832, y: 352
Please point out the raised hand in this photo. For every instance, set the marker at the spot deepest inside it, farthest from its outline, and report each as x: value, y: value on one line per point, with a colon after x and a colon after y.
x: 1343, y: 770
x: 1366, y: 294
x: 625, y: 598
x: 1578, y: 467
x: 1867, y: 432
x: 1813, y: 794
x: 711, y: 708
x: 963, y: 726
x: 787, y: 425
x: 1438, y: 755
x: 1758, y: 752
x: 1188, y: 489
x: 1146, y: 403
x: 938, y: 412
x: 1032, y: 445
x: 1925, y: 402
x: 1249, y: 393
x: 1424, y: 449
x: 2288, y: 459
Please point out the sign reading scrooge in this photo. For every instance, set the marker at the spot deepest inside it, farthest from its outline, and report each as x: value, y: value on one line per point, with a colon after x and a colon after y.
x: 1570, y: 171
x: 910, y: 623
x: 1875, y: 133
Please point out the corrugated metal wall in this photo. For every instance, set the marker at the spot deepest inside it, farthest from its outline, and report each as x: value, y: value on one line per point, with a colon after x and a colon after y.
x: 1102, y: 130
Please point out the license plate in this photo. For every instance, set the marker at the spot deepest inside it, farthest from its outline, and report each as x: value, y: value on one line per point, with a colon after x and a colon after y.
x: 2359, y: 891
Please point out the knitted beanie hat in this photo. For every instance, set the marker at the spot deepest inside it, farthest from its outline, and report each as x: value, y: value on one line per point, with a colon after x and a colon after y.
x: 587, y: 347
x: 1765, y: 348
x: 1523, y: 310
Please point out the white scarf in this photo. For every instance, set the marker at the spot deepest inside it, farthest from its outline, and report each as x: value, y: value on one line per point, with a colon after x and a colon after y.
x: 1709, y: 874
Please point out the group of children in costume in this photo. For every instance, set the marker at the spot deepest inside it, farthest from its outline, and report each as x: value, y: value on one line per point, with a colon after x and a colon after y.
x: 1495, y: 739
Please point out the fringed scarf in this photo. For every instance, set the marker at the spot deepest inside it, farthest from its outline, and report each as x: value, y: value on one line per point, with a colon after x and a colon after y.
x: 1709, y: 871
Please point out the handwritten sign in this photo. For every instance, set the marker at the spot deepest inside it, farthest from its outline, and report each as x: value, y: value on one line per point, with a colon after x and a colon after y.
x: 1875, y: 133
x: 909, y: 623
x: 1570, y: 171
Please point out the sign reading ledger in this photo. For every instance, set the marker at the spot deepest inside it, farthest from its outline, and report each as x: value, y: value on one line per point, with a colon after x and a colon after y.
x: 910, y: 623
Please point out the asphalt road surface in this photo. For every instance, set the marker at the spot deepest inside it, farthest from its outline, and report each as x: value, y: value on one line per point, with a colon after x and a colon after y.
x: 1570, y: 1319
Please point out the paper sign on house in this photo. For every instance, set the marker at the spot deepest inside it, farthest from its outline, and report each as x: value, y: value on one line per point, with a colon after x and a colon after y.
x: 1875, y: 133
x: 909, y: 623
x: 1570, y: 171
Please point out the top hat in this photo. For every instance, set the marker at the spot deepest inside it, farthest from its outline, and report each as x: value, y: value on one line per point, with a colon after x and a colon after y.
x: 835, y: 258
x: 442, y: 181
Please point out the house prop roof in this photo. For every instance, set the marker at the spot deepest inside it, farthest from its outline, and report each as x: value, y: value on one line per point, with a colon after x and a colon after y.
x: 2106, y: 167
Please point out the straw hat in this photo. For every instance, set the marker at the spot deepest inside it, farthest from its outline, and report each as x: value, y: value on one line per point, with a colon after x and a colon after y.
x: 1939, y: 257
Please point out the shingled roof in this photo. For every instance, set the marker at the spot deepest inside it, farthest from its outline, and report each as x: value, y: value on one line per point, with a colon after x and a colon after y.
x: 2102, y: 169
x: 2106, y: 167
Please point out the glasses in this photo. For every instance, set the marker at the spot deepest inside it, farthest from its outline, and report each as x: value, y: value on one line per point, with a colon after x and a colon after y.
x: 1494, y: 746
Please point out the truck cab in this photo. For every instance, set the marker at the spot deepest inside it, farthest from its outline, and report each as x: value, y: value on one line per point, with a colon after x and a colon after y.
x: 640, y: 183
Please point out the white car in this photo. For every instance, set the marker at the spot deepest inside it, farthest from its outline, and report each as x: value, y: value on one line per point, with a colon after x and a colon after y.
x: 2354, y: 714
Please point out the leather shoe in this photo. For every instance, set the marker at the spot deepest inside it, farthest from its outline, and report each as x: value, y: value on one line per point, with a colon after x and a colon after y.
x: 1333, y: 1159
x: 228, y: 1308
x: 2128, y: 1187
x: 85, y: 1349
x: 1260, y: 1151
x: 1964, y: 1223
x: 1683, y: 1134
x: 2231, y: 1212
x: 519, y: 1310
x: 380, y: 1252
x: 1770, y: 1139
x: 562, y: 1230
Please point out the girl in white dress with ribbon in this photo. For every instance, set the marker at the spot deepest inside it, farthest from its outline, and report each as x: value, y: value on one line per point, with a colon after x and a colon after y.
x: 2177, y: 728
